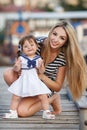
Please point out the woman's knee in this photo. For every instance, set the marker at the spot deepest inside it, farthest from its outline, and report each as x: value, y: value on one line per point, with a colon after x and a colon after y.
x: 28, y: 106
x: 6, y: 76
x: 23, y: 111
x: 9, y: 76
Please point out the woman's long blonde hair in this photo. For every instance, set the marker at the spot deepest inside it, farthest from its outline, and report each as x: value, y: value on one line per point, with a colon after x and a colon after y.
x: 76, y: 67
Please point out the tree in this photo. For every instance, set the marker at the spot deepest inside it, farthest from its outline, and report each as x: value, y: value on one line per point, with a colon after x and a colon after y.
x: 2, y: 36
x: 69, y: 7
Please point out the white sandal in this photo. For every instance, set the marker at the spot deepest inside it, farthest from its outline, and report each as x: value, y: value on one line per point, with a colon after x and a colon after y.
x: 12, y: 114
x: 48, y: 115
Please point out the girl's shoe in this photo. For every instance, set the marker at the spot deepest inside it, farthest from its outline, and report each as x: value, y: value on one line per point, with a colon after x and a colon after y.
x: 12, y: 114
x: 48, y: 115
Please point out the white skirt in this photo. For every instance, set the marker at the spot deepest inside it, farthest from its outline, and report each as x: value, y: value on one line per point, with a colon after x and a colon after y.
x: 28, y: 84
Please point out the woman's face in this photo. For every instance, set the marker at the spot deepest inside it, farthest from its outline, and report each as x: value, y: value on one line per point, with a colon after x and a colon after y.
x: 58, y: 38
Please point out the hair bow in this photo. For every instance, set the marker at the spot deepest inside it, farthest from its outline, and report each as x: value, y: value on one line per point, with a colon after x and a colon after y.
x: 19, y: 47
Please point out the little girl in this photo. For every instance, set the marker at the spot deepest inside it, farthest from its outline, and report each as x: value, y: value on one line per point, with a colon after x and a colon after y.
x: 28, y: 83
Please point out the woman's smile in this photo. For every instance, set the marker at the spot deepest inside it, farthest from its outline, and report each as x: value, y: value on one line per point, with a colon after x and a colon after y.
x: 58, y: 38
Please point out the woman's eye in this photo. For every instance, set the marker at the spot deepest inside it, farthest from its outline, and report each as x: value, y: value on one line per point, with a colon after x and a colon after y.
x: 54, y: 33
x: 62, y: 38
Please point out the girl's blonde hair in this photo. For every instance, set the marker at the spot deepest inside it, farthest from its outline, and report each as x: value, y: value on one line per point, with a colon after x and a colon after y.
x: 76, y: 67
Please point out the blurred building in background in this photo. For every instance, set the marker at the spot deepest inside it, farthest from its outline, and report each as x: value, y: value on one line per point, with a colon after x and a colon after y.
x: 39, y: 5
x: 21, y: 17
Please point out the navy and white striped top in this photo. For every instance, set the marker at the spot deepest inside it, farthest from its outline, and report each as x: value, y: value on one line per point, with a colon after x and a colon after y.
x: 52, y: 68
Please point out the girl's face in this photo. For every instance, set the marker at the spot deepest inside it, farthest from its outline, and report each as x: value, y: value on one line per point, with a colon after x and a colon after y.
x: 29, y: 47
x: 58, y: 38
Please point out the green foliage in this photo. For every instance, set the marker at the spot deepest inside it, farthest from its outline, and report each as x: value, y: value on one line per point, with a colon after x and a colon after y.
x: 69, y: 7
x: 2, y: 36
x: 45, y: 8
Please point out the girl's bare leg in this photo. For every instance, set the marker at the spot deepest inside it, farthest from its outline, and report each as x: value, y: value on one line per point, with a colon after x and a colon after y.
x: 13, y: 107
x: 15, y: 102
x: 44, y: 101
x: 56, y: 104
x: 29, y: 106
x: 10, y: 76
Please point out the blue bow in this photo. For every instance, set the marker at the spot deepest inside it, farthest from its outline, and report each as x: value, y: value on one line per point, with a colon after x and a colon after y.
x: 19, y: 47
x: 31, y: 63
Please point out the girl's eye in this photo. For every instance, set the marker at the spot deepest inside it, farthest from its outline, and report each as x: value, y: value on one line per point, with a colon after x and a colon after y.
x: 31, y: 44
x: 25, y: 46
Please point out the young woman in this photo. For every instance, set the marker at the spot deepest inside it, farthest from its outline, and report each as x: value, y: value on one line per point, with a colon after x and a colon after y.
x: 62, y: 57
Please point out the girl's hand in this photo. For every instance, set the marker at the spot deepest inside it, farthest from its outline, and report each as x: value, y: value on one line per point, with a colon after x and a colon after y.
x: 40, y: 75
x: 17, y: 66
x: 41, y: 67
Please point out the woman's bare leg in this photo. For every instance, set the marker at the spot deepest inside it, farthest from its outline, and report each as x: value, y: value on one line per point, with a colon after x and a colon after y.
x: 29, y: 106
x: 26, y: 106
x: 10, y: 76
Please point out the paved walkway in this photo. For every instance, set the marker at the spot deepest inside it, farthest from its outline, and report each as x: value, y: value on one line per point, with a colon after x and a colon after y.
x: 67, y: 120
